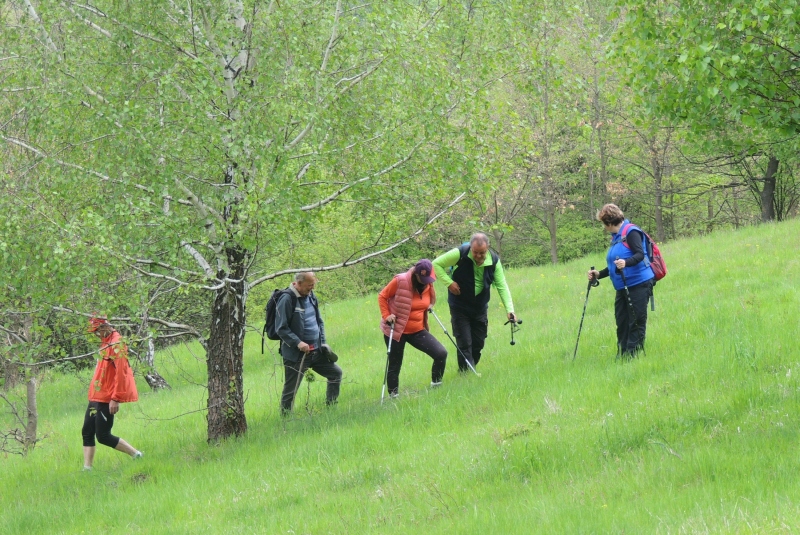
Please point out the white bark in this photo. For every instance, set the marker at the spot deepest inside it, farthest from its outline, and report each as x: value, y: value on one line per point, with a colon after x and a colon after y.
x: 88, y: 22
x: 199, y: 259
x: 35, y: 16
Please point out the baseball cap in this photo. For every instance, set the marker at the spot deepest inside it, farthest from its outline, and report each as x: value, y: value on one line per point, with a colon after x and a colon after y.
x: 424, y: 269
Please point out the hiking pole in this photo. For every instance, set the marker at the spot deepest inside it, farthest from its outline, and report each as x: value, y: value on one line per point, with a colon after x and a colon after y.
x: 627, y: 293
x: 463, y: 356
x: 299, y: 377
x: 388, y: 350
x: 515, y: 323
x: 592, y: 282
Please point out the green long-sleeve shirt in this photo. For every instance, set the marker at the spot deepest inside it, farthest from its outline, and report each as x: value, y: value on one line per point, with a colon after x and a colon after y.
x: 451, y: 258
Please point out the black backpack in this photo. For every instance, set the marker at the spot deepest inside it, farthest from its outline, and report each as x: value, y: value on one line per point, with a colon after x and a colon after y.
x: 270, y: 311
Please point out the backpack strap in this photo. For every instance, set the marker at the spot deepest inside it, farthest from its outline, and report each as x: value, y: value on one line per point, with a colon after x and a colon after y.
x: 276, y: 297
x: 293, y: 297
x: 623, y: 236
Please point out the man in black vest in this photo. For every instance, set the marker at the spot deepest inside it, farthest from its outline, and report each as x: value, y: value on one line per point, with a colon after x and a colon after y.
x: 468, y: 272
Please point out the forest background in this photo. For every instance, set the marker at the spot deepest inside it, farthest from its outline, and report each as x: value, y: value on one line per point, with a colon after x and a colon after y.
x: 168, y: 164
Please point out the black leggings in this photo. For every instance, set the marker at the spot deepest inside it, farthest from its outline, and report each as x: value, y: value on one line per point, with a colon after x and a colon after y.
x: 423, y: 341
x: 98, y: 421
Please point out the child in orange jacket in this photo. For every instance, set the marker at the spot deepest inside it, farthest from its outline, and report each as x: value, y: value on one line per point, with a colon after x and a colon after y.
x: 111, y: 385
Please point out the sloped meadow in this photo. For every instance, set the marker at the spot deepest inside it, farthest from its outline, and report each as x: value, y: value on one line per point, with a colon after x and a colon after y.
x: 697, y: 436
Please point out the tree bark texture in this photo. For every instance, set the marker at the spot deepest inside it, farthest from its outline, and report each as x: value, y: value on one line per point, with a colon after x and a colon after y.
x: 225, y: 355
x: 657, y: 166
x: 553, y: 238
x: 32, y: 423
x: 768, y: 191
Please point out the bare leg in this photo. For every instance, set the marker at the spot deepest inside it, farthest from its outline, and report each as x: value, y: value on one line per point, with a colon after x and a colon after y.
x: 126, y: 448
x: 88, y: 456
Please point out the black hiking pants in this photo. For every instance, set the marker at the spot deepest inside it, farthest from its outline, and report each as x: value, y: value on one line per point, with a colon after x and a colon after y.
x: 632, y: 324
x: 423, y: 341
x: 470, y: 329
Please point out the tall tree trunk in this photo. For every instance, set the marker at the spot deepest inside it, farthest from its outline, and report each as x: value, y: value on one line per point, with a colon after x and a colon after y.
x: 735, y: 208
x: 32, y: 423
x: 225, y: 354
x: 498, y: 241
x: 551, y: 226
x: 768, y: 191
x: 148, y: 357
x: 710, y: 218
x: 598, y: 127
x: 659, y: 194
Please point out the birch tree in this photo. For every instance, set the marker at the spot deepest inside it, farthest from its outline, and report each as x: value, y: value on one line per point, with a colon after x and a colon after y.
x: 186, y: 142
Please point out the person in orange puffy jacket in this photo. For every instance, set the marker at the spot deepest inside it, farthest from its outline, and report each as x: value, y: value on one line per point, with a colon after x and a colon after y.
x: 404, y: 304
x: 111, y: 385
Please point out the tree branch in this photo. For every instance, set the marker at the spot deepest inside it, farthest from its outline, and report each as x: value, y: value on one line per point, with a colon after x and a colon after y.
x: 341, y: 190
x: 32, y: 12
x: 199, y: 259
x: 105, y: 178
x: 395, y: 245
x: 20, y: 338
x: 355, y: 80
x: 127, y: 319
x: 331, y: 42
x: 89, y: 23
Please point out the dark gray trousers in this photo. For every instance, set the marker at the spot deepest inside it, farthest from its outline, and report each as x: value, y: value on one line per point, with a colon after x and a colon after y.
x: 293, y: 376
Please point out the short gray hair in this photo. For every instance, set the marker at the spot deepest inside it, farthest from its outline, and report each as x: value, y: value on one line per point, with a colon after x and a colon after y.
x: 300, y: 277
x: 480, y: 238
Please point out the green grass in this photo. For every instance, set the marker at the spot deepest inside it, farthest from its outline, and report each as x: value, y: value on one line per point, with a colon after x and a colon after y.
x: 698, y: 436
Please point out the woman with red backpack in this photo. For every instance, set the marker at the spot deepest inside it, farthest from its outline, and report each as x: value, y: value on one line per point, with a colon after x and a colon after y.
x: 632, y: 277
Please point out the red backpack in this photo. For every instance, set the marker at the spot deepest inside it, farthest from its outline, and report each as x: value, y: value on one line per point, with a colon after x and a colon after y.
x: 652, y: 252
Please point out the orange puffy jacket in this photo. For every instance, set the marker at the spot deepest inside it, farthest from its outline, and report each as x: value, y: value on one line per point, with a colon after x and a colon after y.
x: 113, y: 376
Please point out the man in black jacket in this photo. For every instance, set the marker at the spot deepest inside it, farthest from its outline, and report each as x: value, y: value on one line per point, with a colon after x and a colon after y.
x: 302, y: 333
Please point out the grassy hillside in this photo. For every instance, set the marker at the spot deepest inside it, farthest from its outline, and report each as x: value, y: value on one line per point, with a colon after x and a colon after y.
x: 700, y: 435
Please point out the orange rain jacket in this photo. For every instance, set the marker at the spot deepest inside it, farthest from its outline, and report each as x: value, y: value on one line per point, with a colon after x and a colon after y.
x: 113, y: 376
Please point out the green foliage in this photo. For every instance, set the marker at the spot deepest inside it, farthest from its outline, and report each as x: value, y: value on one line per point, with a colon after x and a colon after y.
x: 715, y: 63
x: 698, y: 435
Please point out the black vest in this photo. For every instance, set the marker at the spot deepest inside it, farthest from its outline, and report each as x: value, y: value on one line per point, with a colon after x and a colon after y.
x: 464, y: 275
